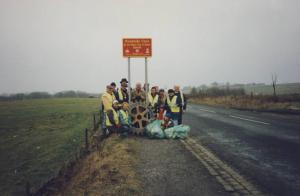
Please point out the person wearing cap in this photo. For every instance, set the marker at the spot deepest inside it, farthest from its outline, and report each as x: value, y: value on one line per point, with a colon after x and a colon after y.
x: 173, y: 104
x: 138, y: 94
x: 122, y: 95
x: 115, y: 91
x: 183, y: 101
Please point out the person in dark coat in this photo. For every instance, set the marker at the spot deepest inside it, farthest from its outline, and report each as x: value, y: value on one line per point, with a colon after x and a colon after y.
x: 173, y: 105
x: 115, y: 90
x: 122, y: 95
x: 183, y: 101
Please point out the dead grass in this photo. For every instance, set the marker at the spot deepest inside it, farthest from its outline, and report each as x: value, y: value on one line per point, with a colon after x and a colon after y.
x: 109, y: 171
x: 247, y: 103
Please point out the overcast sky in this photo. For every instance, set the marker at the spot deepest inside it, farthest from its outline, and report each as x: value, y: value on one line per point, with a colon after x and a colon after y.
x: 54, y: 45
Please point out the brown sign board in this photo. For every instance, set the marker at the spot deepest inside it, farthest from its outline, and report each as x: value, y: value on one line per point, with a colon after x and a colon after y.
x: 137, y: 47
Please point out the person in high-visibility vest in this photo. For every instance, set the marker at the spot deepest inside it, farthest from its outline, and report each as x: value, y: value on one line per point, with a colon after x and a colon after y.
x: 173, y: 105
x: 122, y: 95
x: 112, y: 118
x: 153, y: 99
x: 183, y: 101
x: 124, y: 119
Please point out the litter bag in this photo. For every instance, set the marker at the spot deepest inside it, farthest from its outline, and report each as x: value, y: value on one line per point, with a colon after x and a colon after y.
x: 179, y: 131
x: 154, y: 130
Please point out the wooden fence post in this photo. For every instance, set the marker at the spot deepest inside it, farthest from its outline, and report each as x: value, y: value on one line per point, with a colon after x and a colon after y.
x: 95, y: 124
x: 100, y: 117
x: 27, y: 189
x: 86, y: 139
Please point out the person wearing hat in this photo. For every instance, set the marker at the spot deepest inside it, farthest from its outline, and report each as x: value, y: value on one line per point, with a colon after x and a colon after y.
x: 173, y: 105
x: 122, y: 95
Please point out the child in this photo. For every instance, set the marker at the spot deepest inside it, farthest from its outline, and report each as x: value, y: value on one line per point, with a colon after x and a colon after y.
x: 167, y: 122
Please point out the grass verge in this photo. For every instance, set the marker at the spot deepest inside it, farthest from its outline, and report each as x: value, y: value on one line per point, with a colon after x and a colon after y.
x: 38, y: 137
x: 247, y: 103
x: 108, y: 171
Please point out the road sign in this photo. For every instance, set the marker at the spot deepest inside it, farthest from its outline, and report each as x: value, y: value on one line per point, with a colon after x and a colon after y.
x: 137, y: 47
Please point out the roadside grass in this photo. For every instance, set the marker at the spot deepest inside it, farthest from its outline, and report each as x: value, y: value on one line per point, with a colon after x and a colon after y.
x: 38, y: 137
x: 108, y: 171
x: 246, y: 102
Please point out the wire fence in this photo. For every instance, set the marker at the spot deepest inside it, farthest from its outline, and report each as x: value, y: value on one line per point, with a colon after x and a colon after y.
x: 90, y: 140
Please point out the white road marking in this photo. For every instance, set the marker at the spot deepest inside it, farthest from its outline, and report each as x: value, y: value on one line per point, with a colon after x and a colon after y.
x: 207, y: 110
x: 265, y: 123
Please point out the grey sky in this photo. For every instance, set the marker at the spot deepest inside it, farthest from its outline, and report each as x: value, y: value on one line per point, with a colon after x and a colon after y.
x: 55, y: 45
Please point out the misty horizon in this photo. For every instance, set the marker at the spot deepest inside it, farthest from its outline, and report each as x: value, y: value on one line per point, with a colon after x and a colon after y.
x: 55, y: 46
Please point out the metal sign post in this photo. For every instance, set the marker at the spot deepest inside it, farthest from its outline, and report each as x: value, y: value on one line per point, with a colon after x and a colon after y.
x: 146, y: 80
x: 129, y: 80
x: 138, y: 47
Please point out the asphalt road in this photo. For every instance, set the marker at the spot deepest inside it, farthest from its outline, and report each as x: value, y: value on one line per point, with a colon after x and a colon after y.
x: 167, y: 168
x: 263, y: 147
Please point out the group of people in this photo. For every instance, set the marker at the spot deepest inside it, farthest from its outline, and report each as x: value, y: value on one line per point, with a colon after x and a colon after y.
x: 168, y: 107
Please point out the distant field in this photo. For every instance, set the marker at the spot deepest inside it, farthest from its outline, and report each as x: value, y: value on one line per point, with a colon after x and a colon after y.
x: 288, y: 88
x: 256, y: 89
x: 38, y: 137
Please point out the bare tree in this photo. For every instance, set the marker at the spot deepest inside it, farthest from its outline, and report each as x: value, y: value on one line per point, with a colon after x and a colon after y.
x: 274, y: 84
x: 194, y: 92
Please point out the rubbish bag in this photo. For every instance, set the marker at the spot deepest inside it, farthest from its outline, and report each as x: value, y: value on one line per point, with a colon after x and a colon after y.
x: 177, y: 132
x: 154, y: 130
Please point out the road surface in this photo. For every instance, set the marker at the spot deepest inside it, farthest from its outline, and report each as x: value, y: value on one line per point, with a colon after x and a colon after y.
x: 167, y: 168
x: 263, y: 147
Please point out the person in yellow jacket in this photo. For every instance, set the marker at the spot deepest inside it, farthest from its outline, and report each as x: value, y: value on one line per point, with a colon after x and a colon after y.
x: 107, y: 98
x: 173, y: 104
x: 107, y: 105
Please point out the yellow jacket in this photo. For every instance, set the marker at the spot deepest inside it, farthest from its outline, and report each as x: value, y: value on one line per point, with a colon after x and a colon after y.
x: 107, y: 101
